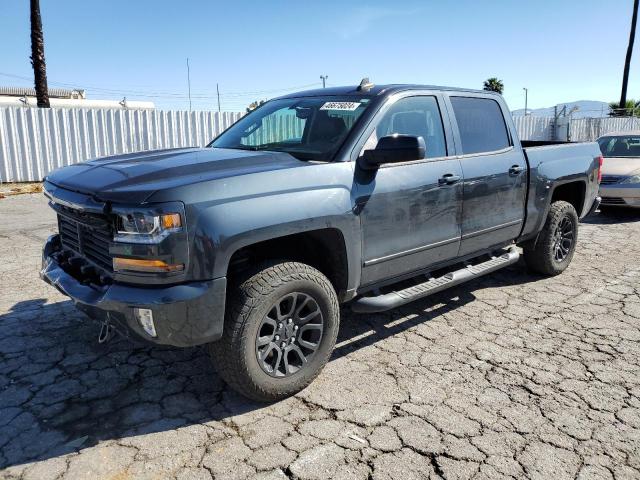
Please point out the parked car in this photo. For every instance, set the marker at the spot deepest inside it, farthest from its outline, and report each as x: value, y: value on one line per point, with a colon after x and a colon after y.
x: 620, y: 186
x: 372, y: 196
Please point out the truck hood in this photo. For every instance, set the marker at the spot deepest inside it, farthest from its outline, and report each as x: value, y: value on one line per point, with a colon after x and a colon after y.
x: 620, y: 166
x: 133, y: 177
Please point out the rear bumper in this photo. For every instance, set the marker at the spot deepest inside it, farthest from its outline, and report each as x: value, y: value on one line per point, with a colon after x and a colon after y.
x: 184, y: 315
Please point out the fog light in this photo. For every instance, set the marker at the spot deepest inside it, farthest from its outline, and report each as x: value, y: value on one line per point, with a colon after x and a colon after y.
x: 145, y: 319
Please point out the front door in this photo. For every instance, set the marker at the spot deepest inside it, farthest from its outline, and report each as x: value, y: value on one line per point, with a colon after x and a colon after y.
x: 410, y: 211
x: 495, y: 175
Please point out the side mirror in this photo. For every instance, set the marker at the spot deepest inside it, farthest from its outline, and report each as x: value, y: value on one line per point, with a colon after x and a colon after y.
x: 394, y: 148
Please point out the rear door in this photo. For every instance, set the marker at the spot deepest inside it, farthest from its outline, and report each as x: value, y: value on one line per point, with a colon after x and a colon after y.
x: 494, y: 169
x: 410, y: 211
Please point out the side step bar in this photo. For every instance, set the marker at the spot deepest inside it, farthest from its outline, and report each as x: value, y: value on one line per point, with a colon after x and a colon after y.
x: 391, y: 300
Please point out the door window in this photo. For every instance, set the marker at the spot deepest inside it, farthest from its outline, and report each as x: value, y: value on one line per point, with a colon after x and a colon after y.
x: 419, y: 116
x: 481, y: 124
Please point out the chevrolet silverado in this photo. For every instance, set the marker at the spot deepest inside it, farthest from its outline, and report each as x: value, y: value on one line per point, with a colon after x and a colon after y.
x: 371, y: 196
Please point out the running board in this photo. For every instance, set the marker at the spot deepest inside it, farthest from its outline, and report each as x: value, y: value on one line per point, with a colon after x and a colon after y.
x: 391, y: 300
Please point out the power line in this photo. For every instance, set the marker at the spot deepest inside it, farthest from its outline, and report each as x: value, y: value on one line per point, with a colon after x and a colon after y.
x: 168, y: 94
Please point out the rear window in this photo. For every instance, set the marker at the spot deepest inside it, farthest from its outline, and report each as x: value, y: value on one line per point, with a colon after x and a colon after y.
x: 481, y: 124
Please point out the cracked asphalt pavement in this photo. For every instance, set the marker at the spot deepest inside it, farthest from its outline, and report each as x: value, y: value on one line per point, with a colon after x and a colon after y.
x: 511, y: 376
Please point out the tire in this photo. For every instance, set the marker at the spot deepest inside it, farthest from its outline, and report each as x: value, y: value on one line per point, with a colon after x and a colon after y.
x: 542, y: 256
x: 251, y: 311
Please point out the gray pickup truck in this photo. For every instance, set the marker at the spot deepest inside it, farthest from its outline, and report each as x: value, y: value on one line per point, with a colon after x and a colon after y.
x: 370, y: 196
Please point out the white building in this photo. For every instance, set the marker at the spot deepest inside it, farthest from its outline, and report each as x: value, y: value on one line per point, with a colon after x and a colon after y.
x: 63, y: 98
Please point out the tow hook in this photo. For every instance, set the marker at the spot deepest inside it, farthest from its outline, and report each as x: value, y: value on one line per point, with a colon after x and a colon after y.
x: 106, y: 331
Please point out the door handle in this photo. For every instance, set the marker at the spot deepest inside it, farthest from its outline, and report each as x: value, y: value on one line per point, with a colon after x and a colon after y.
x: 515, y: 170
x: 449, y: 179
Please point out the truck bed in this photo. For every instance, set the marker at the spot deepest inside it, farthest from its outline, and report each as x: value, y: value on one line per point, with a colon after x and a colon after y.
x: 541, y: 143
x: 559, y: 163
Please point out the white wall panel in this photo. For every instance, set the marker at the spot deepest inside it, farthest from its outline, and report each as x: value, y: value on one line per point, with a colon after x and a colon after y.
x: 34, y: 141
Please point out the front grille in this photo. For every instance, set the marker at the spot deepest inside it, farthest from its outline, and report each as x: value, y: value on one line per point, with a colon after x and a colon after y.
x: 87, y: 234
x: 610, y: 179
x: 613, y: 201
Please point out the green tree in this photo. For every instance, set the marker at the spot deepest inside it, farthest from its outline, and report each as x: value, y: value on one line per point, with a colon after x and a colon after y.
x: 493, y: 85
x: 255, y: 104
x: 37, y: 56
x: 631, y: 109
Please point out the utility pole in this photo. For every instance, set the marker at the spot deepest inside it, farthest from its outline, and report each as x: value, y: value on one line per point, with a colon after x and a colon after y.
x: 37, y: 56
x: 526, y: 98
x: 324, y: 79
x: 189, y: 82
x: 627, y: 61
x: 218, y: 92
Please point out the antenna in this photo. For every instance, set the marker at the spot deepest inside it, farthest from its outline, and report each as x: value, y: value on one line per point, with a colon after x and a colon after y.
x: 365, y: 85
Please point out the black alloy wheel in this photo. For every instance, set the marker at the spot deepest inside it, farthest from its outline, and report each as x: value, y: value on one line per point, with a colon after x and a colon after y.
x: 289, y: 335
x: 563, y: 239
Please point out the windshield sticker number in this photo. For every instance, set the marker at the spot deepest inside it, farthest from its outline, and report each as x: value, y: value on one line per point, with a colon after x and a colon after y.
x: 346, y: 106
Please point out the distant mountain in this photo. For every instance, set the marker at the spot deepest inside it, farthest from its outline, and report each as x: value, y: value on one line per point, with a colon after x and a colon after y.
x: 586, y: 108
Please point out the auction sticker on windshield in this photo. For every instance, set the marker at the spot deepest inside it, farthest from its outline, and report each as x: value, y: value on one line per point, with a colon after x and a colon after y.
x: 349, y: 106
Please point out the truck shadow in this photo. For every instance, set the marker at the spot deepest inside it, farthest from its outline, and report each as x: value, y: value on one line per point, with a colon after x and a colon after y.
x: 60, y: 391
x: 359, y: 330
x: 613, y: 215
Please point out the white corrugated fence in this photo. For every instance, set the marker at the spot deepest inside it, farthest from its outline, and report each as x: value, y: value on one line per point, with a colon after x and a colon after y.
x: 534, y: 128
x: 34, y: 141
x: 587, y: 129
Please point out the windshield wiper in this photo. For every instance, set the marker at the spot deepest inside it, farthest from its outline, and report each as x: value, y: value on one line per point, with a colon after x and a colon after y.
x: 244, y: 147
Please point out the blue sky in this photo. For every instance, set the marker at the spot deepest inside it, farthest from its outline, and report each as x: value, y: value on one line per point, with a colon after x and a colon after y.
x: 561, y: 50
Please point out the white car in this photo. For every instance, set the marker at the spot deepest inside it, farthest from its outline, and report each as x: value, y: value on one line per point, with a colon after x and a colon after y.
x: 620, y: 185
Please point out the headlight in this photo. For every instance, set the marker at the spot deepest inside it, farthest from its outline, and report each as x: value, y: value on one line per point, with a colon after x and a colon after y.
x: 632, y: 179
x: 140, y: 227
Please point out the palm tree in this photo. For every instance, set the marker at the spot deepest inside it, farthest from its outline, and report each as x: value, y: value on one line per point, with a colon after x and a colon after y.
x: 627, y: 60
x: 631, y: 108
x: 37, y: 56
x: 493, y: 85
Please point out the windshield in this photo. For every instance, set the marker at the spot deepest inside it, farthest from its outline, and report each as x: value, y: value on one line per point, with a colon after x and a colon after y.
x: 620, y: 146
x: 311, y: 128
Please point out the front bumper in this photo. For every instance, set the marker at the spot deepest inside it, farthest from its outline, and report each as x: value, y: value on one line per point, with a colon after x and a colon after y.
x: 620, y: 195
x: 184, y: 315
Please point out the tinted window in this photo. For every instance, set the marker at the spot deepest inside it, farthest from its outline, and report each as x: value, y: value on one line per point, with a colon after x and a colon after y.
x: 417, y: 116
x: 481, y: 124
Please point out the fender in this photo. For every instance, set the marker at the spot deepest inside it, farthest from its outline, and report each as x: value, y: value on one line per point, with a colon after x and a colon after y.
x: 303, y: 200
x: 549, y: 170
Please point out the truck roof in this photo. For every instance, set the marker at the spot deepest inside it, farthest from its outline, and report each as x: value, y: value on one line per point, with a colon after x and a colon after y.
x: 376, y: 90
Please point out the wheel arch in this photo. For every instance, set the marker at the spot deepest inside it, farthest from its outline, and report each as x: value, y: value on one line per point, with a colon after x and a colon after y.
x: 324, y: 249
x: 573, y: 192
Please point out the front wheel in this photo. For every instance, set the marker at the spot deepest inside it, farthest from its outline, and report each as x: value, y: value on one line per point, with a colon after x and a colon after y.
x: 280, y: 328
x: 556, y: 244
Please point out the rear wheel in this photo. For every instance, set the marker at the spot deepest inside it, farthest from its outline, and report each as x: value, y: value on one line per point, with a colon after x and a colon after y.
x: 280, y: 329
x: 556, y: 243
